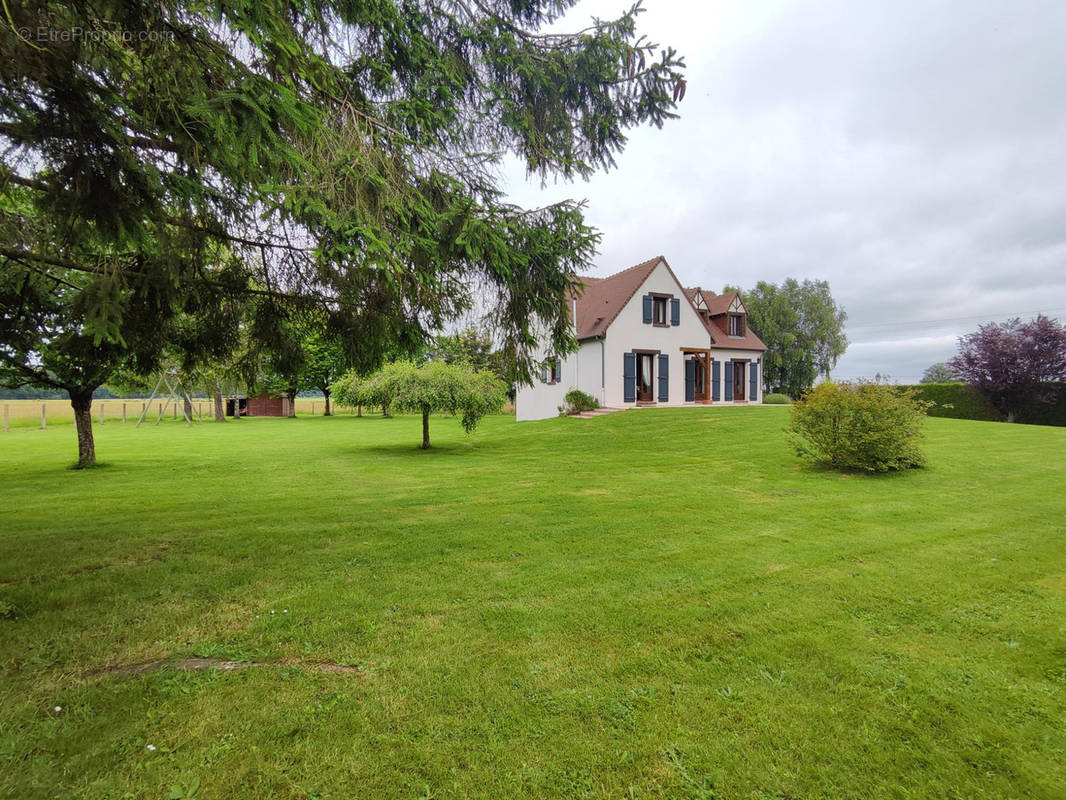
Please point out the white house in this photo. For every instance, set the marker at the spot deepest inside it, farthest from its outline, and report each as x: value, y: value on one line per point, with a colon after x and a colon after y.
x: 644, y: 340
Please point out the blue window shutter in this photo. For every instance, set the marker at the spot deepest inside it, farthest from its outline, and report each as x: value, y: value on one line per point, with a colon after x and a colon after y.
x: 629, y: 377
x: 716, y: 380
x: 753, y: 393
x: 675, y: 311
x: 543, y: 374
x: 664, y: 378
x: 647, y: 309
x: 728, y: 367
x: 690, y: 381
x: 559, y: 368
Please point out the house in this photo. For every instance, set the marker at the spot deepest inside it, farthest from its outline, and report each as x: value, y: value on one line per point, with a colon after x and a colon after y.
x: 644, y: 340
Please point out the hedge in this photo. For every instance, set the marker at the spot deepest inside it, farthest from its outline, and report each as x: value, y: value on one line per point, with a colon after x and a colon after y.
x: 960, y: 401
x: 956, y: 400
x: 1048, y: 413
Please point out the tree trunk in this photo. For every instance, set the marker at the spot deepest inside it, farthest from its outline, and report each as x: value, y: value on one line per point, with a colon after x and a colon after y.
x: 325, y: 393
x: 82, y: 403
x: 292, y: 402
x: 187, y: 407
x: 220, y: 409
x: 358, y: 411
x: 425, y: 428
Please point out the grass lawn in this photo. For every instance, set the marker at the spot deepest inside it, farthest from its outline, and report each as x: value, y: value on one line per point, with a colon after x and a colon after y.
x: 655, y: 603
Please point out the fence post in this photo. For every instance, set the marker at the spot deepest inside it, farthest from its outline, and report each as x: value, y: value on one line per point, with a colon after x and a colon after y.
x: 5, y: 417
x: 123, y: 413
x: 312, y: 408
x: 101, y: 413
x: 44, y: 423
x: 175, y: 409
x: 160, y: 410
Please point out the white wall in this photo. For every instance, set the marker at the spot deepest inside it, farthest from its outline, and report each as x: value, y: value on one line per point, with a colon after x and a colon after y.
x: 629, y: 332
x: 745, y: 355
x: 581, y: 370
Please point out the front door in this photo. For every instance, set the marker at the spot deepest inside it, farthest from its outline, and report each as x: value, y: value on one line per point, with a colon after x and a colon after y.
x: 700, y: 382
x: 645, y: 368
x: 738, y: 380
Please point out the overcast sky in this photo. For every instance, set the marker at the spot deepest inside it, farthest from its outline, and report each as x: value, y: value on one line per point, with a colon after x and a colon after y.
x: 913, y: 154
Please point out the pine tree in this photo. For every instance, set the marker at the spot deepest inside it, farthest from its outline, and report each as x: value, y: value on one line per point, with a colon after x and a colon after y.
x: 167, y: 158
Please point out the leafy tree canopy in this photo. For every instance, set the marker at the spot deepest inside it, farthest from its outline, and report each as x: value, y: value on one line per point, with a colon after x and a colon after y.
x: 940, y: 372
x: 802, y: 327
x: 473, y: 346
x: 1013, y: 363
x: 435, y: 386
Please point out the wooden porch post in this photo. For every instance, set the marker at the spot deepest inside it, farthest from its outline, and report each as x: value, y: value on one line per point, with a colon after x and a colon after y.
x: 707, y: 377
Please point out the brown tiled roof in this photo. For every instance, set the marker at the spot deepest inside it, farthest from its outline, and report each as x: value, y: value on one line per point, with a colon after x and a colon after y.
x: 604, y: 298
x: 718, y: 303
x: 697, y: 291
x: 717, y: 306
x: 713, y: 316
x: 721, y: 338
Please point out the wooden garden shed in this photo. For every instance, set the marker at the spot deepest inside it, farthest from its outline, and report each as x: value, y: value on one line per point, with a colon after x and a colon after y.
x: 262, y: 405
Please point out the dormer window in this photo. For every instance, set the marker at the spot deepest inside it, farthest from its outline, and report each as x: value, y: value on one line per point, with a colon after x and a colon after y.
x: 736, y: 324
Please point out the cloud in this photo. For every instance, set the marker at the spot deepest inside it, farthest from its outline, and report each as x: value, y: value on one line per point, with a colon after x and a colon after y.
x: 909, y: 153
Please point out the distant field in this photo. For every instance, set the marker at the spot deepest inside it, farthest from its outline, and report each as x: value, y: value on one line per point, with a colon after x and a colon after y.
x: 27, y: 413
x: 651, y: 604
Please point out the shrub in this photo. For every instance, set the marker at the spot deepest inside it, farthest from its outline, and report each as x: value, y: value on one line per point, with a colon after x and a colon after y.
x: 859, y: 426
x: 578, y: 401
x: 776, y: 399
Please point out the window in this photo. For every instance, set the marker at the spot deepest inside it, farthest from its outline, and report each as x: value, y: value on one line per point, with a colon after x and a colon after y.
x: 659, y: 315
x: 551, y: 371
x: 736, y: 325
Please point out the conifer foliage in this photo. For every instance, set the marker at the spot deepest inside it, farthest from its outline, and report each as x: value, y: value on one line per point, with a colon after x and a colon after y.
x: 169, y: 158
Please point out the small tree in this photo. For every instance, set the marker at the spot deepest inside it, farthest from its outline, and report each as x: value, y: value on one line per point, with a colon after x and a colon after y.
x: 47, y: 341
x: 324, y: 363
x: 940, y: 372
x: 436, y: 386
x: 1013, y: 363
x: 859, y: 426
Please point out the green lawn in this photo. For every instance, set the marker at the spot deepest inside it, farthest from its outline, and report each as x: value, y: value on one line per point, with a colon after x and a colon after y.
x: 649, y: 604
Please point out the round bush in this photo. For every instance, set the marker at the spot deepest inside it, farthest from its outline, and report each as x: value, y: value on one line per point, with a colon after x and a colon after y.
x: 776, y: 399
x: 859, y: 426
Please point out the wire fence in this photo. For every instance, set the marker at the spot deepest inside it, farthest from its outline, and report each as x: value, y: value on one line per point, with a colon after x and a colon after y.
x: 48, y: 413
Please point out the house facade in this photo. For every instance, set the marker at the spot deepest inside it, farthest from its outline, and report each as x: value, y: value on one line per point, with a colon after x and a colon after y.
x: 644, y: 340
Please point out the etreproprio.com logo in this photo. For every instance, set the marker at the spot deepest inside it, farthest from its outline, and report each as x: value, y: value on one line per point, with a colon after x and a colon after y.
x: 44, y: 33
